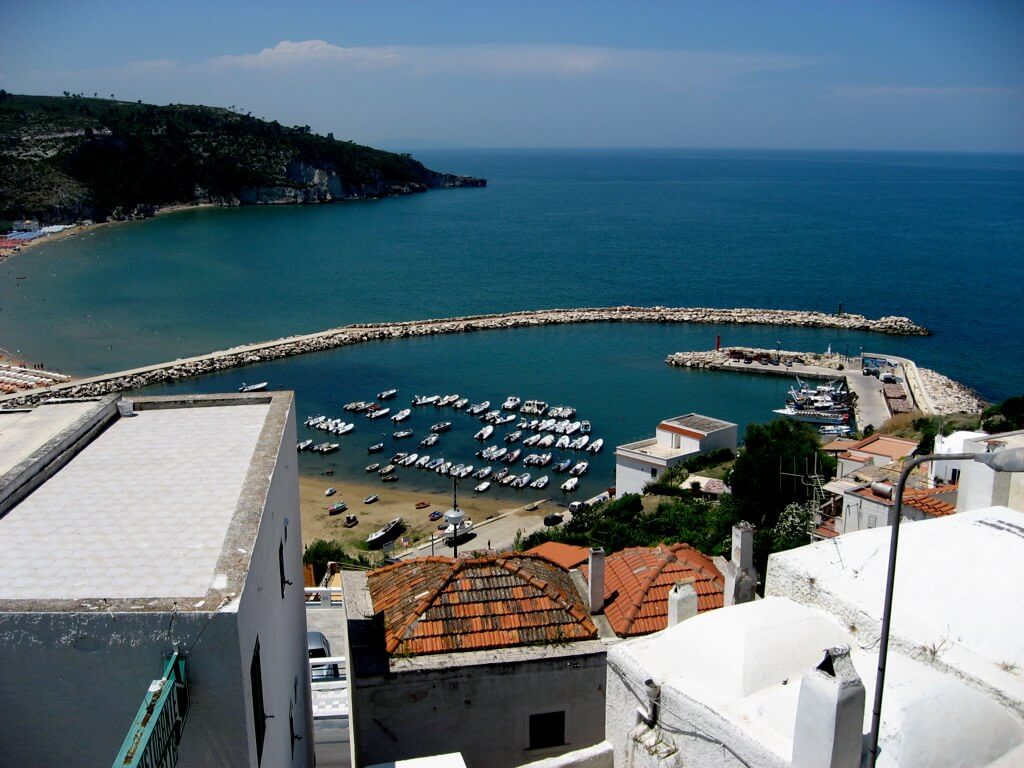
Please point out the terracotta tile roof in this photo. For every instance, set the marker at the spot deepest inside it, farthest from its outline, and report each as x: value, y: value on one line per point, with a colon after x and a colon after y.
x: 922, y: 499
x: 440, y: 604
x: 838, y: 444
x: 637, y: 581
x: 568, y: 556
x: 885, y: 445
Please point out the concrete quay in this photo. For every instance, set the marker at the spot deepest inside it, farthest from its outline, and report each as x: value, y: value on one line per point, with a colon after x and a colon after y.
x: 361, y: 333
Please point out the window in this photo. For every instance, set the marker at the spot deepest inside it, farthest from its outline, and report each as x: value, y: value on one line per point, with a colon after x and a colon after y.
x: 259, y: 716
x: 872, y: 521
x: 654, y: 471
x: 547, y: 730
x: 954, y: 476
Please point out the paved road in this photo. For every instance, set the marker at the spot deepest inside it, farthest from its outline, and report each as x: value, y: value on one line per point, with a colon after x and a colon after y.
x: 499, y: 532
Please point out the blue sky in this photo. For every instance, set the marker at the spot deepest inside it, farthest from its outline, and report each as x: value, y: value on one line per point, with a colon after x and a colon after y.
x: 865, y: 75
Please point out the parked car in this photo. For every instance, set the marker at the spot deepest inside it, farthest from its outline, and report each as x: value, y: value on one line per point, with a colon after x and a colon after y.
x: 552, y: 519
x: 319, y: 648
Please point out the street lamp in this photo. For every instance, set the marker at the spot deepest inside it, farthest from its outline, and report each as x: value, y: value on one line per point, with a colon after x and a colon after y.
x: 1006, y: 460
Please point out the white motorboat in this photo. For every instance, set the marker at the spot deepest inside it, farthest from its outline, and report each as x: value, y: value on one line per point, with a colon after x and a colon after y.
x: 466, y: 471
x: 483, y: 486
x: 456, y: 471
x: 562, y: 443
x: 328, y: 447
x: 570, y: 485
x: 372, y: 467
x: 580, y: 469
x: 386, y: 470
x: 344, y: 428
x: 402, y: 415
x: 580, y: 442
x: 425, y: 400
x: 304, y: 445
x: 512, y: 437
x: 422, y: 462
x: 585, y: 427
x: 546, y: 442
x: 402, y: 434
x: 504, y: 419
x: 434, y: 464
x: 540, y: 482
x: 484, y: 433
x: 509, y: 479
x: 596, y: 446
x: 544, y: 459
x: 371, y: 498
x: 532, y: 439
x: 443, y: 469
x: 446, y: 400
x: 477, y: 408
x: 511, y: 403
x: 384, y: 533
x: 377, y: 414
x: 460, y: 403
x: 483, y: 473
x: 534, y: 407
x: 441, y: 426
x: 521, y: 481
x: 253, y: 387
x: 502, y: 473
x: 429, y: 440
x: 512, y: 456
x: 573, y: 428
x: 411, y: 459
x: 330, y: 492
x: 490, y: 416
x: 387, y: 394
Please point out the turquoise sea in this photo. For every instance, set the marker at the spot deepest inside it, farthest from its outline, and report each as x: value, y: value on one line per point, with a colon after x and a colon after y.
x: 939, y: 238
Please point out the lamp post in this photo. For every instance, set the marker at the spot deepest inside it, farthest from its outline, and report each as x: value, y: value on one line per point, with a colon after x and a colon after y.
x: 1006, y: 460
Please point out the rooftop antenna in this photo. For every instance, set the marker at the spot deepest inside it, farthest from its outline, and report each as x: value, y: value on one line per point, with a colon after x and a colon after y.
x: 455, y: 517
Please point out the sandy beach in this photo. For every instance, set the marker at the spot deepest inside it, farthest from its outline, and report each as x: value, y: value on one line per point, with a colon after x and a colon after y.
x: 394, y: 502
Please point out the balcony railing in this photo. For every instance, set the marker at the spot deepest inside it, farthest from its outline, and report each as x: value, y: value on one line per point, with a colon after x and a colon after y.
x: 152, y: 740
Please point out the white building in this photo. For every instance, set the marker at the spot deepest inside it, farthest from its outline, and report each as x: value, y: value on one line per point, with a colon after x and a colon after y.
x: 133, y: 529
x: 981, y: 486
x: 949, y: 471
x: 674, y: 441
x: 755, y: 684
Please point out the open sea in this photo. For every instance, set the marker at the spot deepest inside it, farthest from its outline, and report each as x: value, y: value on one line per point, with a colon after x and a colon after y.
x: 939, y: 238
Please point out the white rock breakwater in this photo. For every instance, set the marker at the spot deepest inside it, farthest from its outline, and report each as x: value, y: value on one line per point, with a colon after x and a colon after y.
x: 361, y: 333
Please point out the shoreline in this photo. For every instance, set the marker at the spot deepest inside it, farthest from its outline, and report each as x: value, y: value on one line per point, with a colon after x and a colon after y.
x: 360, y: 333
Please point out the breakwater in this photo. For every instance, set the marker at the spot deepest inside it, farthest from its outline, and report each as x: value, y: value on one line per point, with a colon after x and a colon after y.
x: 361, y: 333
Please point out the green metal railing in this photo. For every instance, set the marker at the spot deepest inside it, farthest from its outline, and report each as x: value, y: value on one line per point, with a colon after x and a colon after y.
x: 152, y: 740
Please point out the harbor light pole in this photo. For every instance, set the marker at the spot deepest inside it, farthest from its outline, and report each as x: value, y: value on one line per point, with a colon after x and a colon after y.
x: 1006, y: 460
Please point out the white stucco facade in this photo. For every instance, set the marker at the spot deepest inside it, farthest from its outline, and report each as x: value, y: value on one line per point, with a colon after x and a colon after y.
x: 980, y: 486
x: 85, y: 628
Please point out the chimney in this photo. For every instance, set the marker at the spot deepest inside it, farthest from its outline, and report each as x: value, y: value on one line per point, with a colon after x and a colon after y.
x: 830, y: 714
x: 740, y: 576
x: 682, y: 602
x: 595, y: 564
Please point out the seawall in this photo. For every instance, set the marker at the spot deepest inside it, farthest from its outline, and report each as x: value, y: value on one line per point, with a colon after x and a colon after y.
x: 360, y: 333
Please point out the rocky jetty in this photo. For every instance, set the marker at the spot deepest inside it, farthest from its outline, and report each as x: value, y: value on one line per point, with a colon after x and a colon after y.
x: 362, y: 333
x: 949, y: 396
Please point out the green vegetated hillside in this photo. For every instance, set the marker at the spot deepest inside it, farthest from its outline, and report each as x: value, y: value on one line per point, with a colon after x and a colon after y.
x: 67, y: 158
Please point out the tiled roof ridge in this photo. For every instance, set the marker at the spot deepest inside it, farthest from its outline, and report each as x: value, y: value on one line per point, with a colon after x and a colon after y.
x: 405, y: 631
x: 666, y: 554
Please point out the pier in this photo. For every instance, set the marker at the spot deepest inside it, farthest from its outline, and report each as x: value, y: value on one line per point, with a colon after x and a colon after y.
x: 250, y: 354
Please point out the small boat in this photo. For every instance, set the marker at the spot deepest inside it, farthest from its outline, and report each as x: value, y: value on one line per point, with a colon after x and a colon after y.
x: 477, y: 408
x: 447, y: 400
x: 532, y: 439
x: 422, y: 504
x: 398, y: 457
x: 502, y: 473
x: 434, y: 516
x: 350, y: 521
x: 402, y: 415
x: 456, y: 470
x: 540, y: 482
x: 443, y: 469
x: 387, y: 394
x: 570, y: 485
x: 562, y: 466
x: 383, y: 471
x: 304, y: 445
x: 389, y: 479
x: 433, y: 465
x: 330, y: 492
x: 375, y: 448
x: 580, y: 443
x: 411, y: 459
x: 573, y: 428
x: 429, y: 440
x: 546, y: 442
x: 338, y: 508
x: 402, y: 433
x: 372, y: 467
x: 504, y: 419
x: 483, y: 486
x: 544, y: 459
x: 562, y: 442
x: 521, y: 481
x: 585, y: 427
x: 490, y: 416
x: 509, y: 479
x: 511, y: 403
x: 596, y: 446
x: 371, y: 498
x: 460, y: 403
x: 484, y: 433
x: 430, y: 400
x: 329, y: 447
x: 441, y: 426
x: 834, y: 429
x: 512, y: 437
x: 385, y: 532
x: 481, y: 474
x: 378, y: 413
x: 512, y: 456
x: 580, y: 469
x: 534, y: 406
x: 497, y: 454
x: 253, y: 387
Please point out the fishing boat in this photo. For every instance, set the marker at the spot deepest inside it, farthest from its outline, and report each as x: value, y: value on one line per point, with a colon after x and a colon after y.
x: 441, y: 426
x: 483, y: 486
x: 596, y: 446
x: 570, y: 485
x: 338, y: 508
x: 379, y: 537
x: 429, y: 440
x: 402, y: 434
x: 375, y: 448
x: 814, y: 417
x: 484, y: 433
x: 330, y: 492
x: 580, y: 469
x: 511, y: 437
x: 304, y: 445
x: 372, y: 467
x: 540, y: 482
x: 387, y: 394
x: 402, y: 415
x: 253, y: 387
x: 378, y: 413
x: 511, y: 403
x: 371, y: 498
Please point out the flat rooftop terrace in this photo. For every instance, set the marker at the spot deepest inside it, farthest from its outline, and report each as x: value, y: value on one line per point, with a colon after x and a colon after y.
x: 149, y: 507
x: 651, y: 447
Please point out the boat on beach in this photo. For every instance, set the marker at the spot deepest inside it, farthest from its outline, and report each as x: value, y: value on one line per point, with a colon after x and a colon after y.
x: 338, y: 508
x: 371, y: 498
x: 330, y: 492
x: 379, y: 537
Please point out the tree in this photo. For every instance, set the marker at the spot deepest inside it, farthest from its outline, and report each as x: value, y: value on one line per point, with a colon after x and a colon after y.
x: 1005, y: 416
x: 793, y: 528
x: 759, y: 488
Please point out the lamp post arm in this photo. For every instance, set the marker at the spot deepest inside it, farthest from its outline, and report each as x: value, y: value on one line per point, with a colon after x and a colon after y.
x: 883, y: 641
